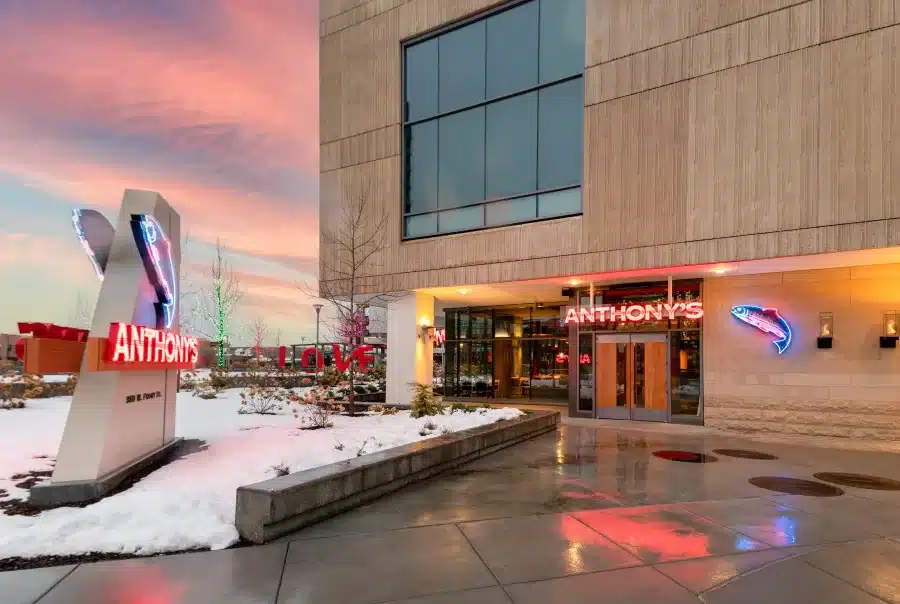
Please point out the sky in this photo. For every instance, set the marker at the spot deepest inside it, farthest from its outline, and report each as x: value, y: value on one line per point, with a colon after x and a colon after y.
x: 213, y: 103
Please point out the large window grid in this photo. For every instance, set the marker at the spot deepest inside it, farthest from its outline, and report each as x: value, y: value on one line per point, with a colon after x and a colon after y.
x: 493, y: 120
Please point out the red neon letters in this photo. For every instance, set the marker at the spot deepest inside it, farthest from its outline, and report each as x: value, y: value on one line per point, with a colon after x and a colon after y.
x: 148, y: 346
x: 359, y: 354
x: 634, y: 313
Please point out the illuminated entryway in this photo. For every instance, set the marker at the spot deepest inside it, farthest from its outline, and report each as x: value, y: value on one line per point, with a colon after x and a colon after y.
x: 632, y: 376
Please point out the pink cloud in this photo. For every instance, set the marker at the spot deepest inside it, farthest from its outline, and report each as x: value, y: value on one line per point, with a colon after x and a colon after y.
x: 224, y: 126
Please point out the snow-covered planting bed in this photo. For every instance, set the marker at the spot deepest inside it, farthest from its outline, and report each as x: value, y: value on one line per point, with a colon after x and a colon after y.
x: 189, y: 503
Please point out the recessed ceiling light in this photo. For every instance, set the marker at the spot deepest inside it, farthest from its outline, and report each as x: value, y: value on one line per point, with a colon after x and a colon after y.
x: 720, y: 270
x: 573, y: 282
x: 464, y: 291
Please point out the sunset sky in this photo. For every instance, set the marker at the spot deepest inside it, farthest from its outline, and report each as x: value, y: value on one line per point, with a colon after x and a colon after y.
x: 213, y: 103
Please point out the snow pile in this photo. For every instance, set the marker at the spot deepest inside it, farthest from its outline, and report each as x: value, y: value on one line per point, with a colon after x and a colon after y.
x: 190, y: 502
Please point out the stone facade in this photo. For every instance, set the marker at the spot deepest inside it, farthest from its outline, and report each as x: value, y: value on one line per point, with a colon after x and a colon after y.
x: 851, y: 390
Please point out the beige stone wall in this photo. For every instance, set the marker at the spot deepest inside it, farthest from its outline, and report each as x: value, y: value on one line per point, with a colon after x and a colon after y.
x: 851, y: 390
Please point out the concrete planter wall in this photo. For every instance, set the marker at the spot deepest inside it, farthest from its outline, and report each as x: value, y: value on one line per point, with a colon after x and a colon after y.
x: 272, y: 508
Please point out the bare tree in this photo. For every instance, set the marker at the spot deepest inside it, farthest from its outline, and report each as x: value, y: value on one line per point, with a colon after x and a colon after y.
x: 81, y: 314
x: 216, y: 304
x: 352, y: 247
x: 187, y: 293
x: 259, y: 330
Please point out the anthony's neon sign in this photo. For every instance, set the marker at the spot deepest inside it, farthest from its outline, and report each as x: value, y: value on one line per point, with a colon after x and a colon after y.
x: 148, y: 347
x: 634, y: 313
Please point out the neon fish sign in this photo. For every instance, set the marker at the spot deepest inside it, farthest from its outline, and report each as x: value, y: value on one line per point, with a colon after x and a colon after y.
x: 767, y: 320
x: 156, y: 252
x: 634, y: 313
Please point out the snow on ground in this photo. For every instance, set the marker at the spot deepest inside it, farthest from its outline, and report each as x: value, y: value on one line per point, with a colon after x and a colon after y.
x: 189, y: 503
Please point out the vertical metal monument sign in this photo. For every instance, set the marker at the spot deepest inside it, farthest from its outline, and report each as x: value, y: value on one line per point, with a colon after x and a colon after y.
x: 122, y: 415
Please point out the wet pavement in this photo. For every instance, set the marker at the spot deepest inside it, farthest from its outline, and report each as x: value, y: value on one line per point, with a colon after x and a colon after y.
x: 581, y: 515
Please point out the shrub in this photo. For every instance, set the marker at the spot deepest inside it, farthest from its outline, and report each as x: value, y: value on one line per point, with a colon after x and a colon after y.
x: 377, y: 373
x: 35, y: 387
x: 458, y: 407
x: 261, y: 400
x: 319, y: 411
x: 374, y: 388
x: 7, y: 399
x: 206, y: 391
x: 377, y: 409
x: 187, y: 381
x: 330, y: 377
x: 424, y: 401
x: 281, y: 469
x: 390, y: 411
x: 430, y: 425
x: 360, y: 389
x: 68, y: 387
x: 220, y: 379
x: 306, y: 382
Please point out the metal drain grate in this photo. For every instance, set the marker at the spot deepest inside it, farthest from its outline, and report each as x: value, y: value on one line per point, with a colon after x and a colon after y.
x: 745, y: 454
x: 795, y: 486
x: 686, y: 456
x: 860, y: 481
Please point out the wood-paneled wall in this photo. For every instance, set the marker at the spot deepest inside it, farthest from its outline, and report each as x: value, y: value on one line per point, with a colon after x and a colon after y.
x: 714, y: 132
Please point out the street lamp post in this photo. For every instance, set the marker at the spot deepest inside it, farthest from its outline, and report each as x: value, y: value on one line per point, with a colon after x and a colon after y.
x: 318, y: 308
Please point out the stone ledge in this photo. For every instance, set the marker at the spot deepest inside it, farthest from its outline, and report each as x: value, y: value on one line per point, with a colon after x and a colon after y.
x: 53, y: 494
x: 272, y: 508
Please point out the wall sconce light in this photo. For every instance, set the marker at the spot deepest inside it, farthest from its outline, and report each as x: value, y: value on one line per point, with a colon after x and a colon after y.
x: 889, y: 333
x: 426, y: 333
x: 826, y: 330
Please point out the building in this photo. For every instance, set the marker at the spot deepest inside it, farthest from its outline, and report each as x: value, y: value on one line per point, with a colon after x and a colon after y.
x: 8, y: 346
x: 606, y: 196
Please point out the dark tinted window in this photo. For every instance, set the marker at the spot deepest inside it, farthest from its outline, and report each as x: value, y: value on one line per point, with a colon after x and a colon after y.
x: 421, y: 225
x: 562, y: 39
x: 462, y: 219
x: 461, y: 67
x: 559, y: 203
x: 560, y: 132
x: 511, y: 146
x: 421, y: 80
x: 461, y: 158
x: 511, y: 210
x: 422, y: 167
x: 494, y: 112
x: 512, y: 50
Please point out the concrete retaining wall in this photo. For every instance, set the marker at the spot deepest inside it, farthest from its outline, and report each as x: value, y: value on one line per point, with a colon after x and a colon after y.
x: 272, y: 508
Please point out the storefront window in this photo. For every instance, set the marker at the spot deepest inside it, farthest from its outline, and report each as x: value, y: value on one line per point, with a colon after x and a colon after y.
x: 549, y: 368
x: 585, y: 372
x: 685, y: 373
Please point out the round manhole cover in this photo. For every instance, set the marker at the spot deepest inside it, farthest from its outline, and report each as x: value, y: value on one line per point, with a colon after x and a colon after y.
x: 744, y: 454
x: 686, y: 456
x: 795, y: 486
x: 860, y: 481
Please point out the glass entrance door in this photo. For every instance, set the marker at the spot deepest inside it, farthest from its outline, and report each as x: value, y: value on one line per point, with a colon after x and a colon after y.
x: 632, y: 377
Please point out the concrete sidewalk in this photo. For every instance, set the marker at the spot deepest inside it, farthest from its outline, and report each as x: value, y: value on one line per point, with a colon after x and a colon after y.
x: 585, y: 514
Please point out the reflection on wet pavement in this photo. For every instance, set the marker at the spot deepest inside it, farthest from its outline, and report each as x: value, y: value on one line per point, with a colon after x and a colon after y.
x: 579, y: 515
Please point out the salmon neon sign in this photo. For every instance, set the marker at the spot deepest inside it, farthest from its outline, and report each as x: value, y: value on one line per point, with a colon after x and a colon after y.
x: 634, y: 313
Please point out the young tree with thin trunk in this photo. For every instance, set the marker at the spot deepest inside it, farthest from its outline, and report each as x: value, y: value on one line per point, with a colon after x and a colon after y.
x: 82, y: 314
x: 187, y: 294
x: 217, y: 302
x: 352, y: 246
x: 259, y: 330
